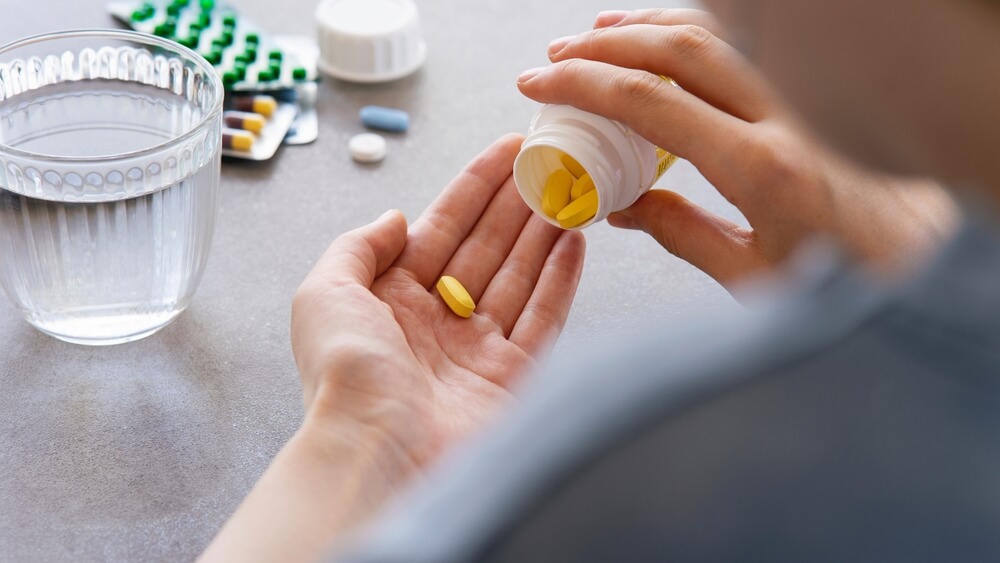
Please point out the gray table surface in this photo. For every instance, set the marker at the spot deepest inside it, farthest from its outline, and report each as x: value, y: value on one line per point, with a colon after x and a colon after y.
x: 141, y: 451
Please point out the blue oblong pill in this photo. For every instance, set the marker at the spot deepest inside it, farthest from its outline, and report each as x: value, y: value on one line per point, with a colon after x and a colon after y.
x: 385, y: 119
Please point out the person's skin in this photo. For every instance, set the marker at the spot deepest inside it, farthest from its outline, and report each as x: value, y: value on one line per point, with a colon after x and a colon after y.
x: 387, y: 385
x: 732, y: 126
x: 390, y: 375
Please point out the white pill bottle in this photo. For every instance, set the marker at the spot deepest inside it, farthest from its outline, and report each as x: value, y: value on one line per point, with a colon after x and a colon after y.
x: 622, y: 164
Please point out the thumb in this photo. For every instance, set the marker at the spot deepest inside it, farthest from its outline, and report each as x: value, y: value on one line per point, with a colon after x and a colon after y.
x: 361, y: 255
x: 722, y: 249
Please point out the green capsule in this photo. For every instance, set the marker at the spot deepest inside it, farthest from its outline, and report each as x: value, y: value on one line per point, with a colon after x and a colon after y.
x: 143, y: 12
x: 252, y: 38
x: 170, y: 25
x: 299, y: 73
x: 275, y: 55
x: 229, y: 78
x: 250, y: 53
x: 229, y: 20
x: 265, y: 76
x: 207, y: 5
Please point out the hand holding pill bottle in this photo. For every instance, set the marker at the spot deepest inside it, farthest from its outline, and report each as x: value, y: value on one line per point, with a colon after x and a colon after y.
x: 575, y: 168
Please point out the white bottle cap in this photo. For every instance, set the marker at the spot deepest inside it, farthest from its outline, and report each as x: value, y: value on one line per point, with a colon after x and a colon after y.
x: 369, y: 40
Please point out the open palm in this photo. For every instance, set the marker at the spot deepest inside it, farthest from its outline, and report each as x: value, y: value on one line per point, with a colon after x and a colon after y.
x: 377, y: 346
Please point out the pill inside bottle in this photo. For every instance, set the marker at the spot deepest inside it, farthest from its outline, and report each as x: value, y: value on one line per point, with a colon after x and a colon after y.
x: 563, y: 195
x: 575, y: 168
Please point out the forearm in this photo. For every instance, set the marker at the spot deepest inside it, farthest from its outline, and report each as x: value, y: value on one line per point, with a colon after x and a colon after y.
x: 329, y: 478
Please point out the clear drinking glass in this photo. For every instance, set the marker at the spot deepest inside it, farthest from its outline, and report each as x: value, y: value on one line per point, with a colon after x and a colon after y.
x: 109, y: 177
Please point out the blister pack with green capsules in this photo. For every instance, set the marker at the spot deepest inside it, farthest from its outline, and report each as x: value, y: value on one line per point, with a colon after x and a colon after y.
x: 245, y: 56
x: 251, y: 64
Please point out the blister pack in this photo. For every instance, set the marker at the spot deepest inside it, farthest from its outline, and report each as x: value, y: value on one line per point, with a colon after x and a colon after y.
x: 251, y: 64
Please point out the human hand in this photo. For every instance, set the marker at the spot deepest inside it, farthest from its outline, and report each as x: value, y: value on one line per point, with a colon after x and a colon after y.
x: 390, y: 375
x: 729, y: 123
x: 376, y: 344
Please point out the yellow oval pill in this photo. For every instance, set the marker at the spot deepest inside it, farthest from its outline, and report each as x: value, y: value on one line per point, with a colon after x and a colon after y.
x: 556, y: 193
x: 581, y: 186
x: 572, y: 165
x: 579, y: 211
x: 456, y: 296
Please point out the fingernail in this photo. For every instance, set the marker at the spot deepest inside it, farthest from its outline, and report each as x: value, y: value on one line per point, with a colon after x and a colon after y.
x: 558, y: 44
x: 529, y: 74
x: 610, y: 18
x: 622, y: 221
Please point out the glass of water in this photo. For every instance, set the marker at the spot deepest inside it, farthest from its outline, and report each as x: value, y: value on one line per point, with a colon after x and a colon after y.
x: 109, y: 177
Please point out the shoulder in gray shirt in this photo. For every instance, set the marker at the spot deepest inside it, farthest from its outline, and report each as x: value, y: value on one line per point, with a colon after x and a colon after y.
x: 847, y: 424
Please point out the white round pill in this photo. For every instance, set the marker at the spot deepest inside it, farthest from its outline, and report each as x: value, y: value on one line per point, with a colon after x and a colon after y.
x: 367, y: 147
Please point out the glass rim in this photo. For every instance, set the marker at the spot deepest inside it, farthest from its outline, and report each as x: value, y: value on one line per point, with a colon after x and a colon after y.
x: 125, y: 35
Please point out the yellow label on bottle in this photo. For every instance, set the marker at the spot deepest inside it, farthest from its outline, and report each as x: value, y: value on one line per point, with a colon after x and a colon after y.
x: 664, y: 161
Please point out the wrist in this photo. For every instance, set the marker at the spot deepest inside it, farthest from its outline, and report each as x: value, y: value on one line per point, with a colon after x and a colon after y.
x: 331, y: 477
x: 368, y: 402
x: 369, y: 464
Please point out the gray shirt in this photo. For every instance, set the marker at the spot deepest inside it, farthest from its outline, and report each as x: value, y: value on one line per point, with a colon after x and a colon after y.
x: 847, y: 423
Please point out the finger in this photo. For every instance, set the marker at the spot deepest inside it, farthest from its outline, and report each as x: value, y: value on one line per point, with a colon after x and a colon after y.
x: 440, y: 230
x: 700, y: 62
x: 723, y: 250
x: 512, y: 286
x: 662, y: 113
x: 609, y: 18
x: 361, y: 255
x: 660, y: 16
x: 545, y: 313
x: 483, y: 253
